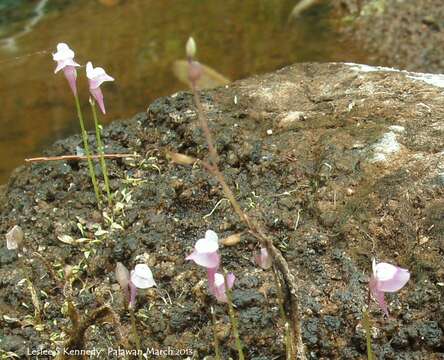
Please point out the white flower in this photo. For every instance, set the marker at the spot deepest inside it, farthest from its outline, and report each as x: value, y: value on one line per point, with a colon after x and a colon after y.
x: 64, y: 57
x: 142, y: 277
x: 96, y: 76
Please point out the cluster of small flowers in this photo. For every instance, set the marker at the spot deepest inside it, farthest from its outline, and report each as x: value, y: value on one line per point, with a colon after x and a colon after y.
x: 96, y: 76
x: 385, y: 277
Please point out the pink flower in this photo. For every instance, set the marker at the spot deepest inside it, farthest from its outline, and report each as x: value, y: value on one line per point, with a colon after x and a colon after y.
x: 386, y: 278
x: 217, y: 286
x: 263, y: 259
x: 206, y: 251
x: 97, y: 76
x: 65, y: 61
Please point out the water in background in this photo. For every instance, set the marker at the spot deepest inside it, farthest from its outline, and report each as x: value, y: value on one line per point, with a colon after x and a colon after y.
x: 137, y: 41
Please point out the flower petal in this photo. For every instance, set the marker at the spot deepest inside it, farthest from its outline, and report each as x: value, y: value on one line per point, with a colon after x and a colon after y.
x: 378, y: 295
x: 219, y: 286
x: 142, y: 277
x: 390, y: 278
x: 98, y: 95
x: 211, y: 236
x: 206, y: 245
x: 63, y: 52
x: 263, y: 259
x: 96, y: 76
x: 205, y: 259
x: 71, y: 75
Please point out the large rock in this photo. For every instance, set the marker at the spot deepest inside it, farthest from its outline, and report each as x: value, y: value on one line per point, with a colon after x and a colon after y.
x: 339, y: 162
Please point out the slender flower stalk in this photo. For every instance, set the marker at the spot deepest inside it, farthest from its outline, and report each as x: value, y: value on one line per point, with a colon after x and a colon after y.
x: 135, y: 333
x: 96, y: 77
x: 233, y: 319
x: 65, y: 61
x: 216, y: 340
x: 288, y: 343
x: 101, y: 151
x: 92, y: 174
x: 368, y: 334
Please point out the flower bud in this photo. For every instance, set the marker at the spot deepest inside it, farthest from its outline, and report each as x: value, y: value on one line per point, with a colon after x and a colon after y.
x: 191, y: 48
x: 122, y: 276
x: 14, y: 238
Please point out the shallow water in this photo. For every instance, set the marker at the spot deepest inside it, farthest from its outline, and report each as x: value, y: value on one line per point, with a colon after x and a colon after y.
x: 136, y: 42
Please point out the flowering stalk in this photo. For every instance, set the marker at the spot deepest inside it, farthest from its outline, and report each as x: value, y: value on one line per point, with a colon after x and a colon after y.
x: 65, y: 61
x: 233, y: 320
x: 368, y: 335
x: 96, y: 77
x: 87, y: 151
x: 216, y: 341
x: 135, y: 333
x: 288, y: 343
x: 101, y: 150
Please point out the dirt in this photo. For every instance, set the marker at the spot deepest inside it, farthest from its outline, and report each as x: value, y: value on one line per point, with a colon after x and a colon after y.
x: 404, y: 34
x: 352, y: 168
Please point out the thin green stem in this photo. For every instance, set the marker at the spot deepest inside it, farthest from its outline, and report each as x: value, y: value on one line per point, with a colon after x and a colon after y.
x: 368, y: 334
x: 288, y: 343
x: 233, y: 319
x: 87, y: 151
x: 216, y: 340
x: 101, y: 151
x: 135, y: 334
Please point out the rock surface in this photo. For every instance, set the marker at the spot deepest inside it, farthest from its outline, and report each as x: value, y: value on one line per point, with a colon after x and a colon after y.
x: 404, y: 33
x: 352, y: 168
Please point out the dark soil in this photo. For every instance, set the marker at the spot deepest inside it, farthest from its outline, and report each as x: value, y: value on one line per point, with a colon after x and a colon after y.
x: 313, y: 184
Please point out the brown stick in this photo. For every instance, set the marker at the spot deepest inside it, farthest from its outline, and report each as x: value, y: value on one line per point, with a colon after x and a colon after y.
x: 80, y: 157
